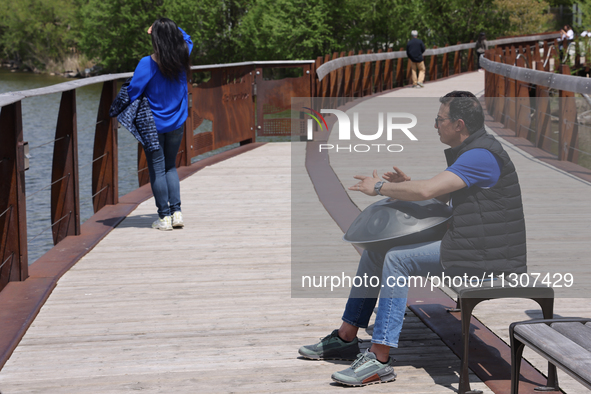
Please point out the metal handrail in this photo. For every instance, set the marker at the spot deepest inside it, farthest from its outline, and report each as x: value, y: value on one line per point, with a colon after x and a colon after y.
x: 335, y: 64
x: 542, y: 78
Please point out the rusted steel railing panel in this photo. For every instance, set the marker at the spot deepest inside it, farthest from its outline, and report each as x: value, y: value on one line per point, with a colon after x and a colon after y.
x: 445, y: 64
x: 325, y: 85
x: 378, y: 80
x: 65, y: 196
x: 509, y: 107
x: 274, y: 101
x: 568, y: 130
x: 399, y: 71
x: 13, y: 217
x: 522, y: 105
x: 349, y: 78
x: 318, y: 85
x: 471, y: 58
x: 457, y: 61
x: 366, y: 84
x: 143, y: 174
x: 389, y: 73
x: 500, y: 90
x: 357, y: 79
x: 433, y: 67
x: 340, y: 80
x: 105, y: 179
x: 543, y: 119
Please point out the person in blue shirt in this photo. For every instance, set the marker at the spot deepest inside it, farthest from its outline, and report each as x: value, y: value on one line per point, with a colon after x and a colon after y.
x: 162, y: 79
x: 486, y: 234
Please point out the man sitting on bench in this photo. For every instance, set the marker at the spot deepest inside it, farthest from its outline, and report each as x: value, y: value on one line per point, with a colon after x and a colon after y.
x: 486, y: 234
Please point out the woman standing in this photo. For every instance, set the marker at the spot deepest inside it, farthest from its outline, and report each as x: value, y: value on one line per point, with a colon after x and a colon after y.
x: 162, y: 79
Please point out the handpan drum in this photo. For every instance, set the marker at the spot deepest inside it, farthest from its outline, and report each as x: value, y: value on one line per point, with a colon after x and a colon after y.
x: 389, y: 223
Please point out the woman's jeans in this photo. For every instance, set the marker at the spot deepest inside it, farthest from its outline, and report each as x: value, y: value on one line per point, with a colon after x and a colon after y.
x: 393, y: 269
x: 163, y: 176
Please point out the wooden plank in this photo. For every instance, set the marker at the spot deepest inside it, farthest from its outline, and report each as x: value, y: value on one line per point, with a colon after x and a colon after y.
x: 576, y: 332
x: 563, y: 352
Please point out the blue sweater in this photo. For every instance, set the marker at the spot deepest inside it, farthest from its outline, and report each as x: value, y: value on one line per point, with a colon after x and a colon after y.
x: 168, y: 98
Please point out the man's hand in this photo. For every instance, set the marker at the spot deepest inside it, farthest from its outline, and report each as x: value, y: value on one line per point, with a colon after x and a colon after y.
x: 150, y: 30
x: 366, y: 184
x: 396, y: 176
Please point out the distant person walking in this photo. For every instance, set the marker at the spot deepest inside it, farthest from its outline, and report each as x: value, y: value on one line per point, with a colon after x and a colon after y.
x: 414, y: 51
x: 162, y: 79
x: 481, y: 47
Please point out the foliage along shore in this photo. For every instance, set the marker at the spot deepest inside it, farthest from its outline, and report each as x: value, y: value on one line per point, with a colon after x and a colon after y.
x: 71, y: 36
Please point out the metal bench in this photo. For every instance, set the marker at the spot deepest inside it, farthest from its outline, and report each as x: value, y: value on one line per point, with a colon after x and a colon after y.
x: 467, y: 299
x: 564, y: 342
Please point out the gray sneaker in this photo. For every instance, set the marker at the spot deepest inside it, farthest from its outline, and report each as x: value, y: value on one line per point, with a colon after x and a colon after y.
x: 331, y: 347
x: 421, y: 85
x: 366, y: 369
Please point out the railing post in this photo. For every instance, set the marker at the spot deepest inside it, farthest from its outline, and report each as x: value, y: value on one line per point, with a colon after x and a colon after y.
x: 317, y: 86
x: 357, y: 81
x: 528, y: 56
x: 457, y: 62
x: 542, y: 112
x: 500, y: 89
x: 522, y: 104
x: 433, y: 66
x: 388, y: 73
x: 471, y: 58
x: 378, y: 80
x: 325, y: 85
x: 13, y: 217
x: 65, y: 196
x: 348, y: 84
x: 337, y: 88
x: 509, y: 112
x: 445, y: 64
x: 568, y: 130
x: 367, y: 77
x: 105, y: 179
x: 399, y: 71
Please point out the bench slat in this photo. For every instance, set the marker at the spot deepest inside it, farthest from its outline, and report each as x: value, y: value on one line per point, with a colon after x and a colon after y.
x: 572, y: 358
x: 576, y: 332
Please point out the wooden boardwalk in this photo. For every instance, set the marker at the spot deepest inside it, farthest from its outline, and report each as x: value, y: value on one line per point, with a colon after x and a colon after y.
x: 208, y: 309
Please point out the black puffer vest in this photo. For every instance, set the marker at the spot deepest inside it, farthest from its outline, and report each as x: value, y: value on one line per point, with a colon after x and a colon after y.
x: 487, y: 229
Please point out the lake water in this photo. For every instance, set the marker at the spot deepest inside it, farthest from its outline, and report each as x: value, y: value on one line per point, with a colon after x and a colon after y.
x: 39, y: 123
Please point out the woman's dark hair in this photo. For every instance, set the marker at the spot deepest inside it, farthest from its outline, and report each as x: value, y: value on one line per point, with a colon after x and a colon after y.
x: 172, y: 54
x: 464, y: 105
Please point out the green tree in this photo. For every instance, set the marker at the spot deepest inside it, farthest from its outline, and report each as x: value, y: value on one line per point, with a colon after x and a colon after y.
x: 35, y: 32
x: 285, y: 30
x: 523, y: 16
x: 115, y: 32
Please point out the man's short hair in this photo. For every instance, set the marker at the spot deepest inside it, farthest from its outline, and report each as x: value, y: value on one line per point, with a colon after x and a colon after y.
x: 464, y: 105
x: 414, y: 33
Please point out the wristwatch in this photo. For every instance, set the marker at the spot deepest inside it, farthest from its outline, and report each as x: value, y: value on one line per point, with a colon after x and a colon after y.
x: 378, y: 187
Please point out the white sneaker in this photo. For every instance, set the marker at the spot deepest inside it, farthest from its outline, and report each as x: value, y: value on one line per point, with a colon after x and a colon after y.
x: 164, y: 224
x: 177, y: 220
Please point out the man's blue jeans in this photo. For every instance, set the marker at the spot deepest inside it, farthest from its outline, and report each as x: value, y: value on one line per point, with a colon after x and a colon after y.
x: 401, y: 261
x: 163, y: 176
